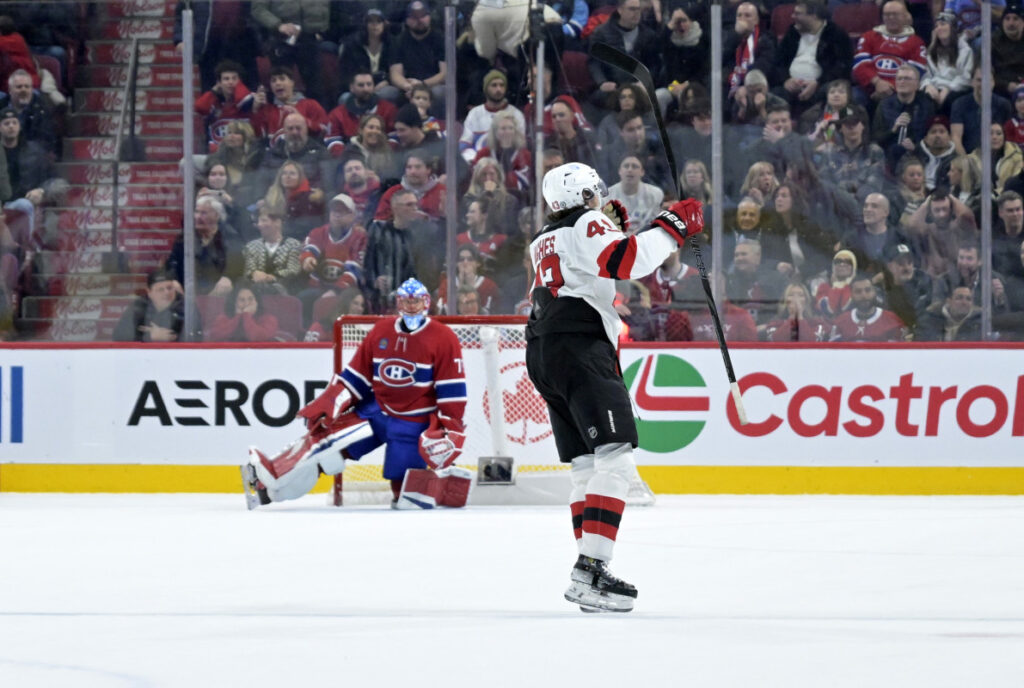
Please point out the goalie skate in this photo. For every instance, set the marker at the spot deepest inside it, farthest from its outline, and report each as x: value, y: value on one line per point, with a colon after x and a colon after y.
x: 254, y: 495
x: 595, y: 589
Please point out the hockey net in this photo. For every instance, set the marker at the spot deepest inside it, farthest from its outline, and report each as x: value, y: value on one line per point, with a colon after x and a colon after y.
x: 505, y: 418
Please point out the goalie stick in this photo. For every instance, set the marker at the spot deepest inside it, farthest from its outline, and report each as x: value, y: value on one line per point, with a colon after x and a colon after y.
x: 636, y: 69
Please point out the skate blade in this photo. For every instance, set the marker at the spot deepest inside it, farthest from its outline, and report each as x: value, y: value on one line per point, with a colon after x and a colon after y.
x: 595, y: 602
x: 252, y: 499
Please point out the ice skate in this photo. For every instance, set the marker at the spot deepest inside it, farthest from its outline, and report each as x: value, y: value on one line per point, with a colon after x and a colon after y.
x: 255, y: 494
x: 595, y: 589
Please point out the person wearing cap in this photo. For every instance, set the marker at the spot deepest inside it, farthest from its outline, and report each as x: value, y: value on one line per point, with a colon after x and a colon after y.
x: 156, y: 316
x: 881, y: 50
x: 937, y: 151
x: 937, y: 228
x: 333, y: 254
x: 419, y: 54
x: 907, y: 290
x: 901, y: 119
x: 1008, y: 49
x: 477, y: 124
x: 813, y: 52
x: 361, y: 99
x: 31, y: 175
x: 950, y: 60
x: 295, y: 29
x: 369, y: 50
x: 852, y: 162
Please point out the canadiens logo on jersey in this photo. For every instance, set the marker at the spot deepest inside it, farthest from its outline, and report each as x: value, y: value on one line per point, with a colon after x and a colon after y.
x: 394, y: 372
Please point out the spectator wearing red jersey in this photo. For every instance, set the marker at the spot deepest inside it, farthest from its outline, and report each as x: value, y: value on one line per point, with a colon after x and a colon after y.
x: 360, y: 100
x: 243, y: 319
x: 467, y: 272
x: 833, y: 297
x: 227, y: 101
x: 333, y: 254
x: 269, y: 113
x: 866, y: 321
x: 883, y: 49
x: 480, y: 230
x: 666, y: 277
x: 420, y: 180
x: 796, y: 321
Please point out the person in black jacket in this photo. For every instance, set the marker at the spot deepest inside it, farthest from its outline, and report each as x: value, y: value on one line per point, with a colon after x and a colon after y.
x: 804, y: 81
x: 157, y: 316
x: 624, y: 31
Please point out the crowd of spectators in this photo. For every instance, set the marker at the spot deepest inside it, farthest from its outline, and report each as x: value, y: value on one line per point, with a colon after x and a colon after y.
x: 852, y: 173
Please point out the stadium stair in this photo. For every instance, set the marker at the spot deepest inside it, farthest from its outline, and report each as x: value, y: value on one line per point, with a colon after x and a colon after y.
x: 72, y: 298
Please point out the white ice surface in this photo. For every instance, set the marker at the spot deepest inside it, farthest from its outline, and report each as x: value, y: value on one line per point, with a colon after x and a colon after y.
x: 193, y: 590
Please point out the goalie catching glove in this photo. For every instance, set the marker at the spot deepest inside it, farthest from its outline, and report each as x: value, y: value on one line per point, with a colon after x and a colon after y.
x: 616, y: 212
x: 331, y: 403
x: 441, y: 443
x: 682, y: 219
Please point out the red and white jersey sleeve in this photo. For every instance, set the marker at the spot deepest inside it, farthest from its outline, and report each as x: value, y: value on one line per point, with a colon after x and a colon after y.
x: 585, y: 259
x: 411, y: 374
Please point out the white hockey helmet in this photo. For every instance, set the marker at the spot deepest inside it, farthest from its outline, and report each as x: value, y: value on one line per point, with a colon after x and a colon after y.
x: 571, y: 185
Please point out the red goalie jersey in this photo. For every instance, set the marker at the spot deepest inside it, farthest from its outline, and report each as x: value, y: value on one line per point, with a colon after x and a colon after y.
x: 411, y: 374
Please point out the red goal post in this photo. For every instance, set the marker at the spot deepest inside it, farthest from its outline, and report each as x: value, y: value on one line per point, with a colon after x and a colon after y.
x: 505, y: 415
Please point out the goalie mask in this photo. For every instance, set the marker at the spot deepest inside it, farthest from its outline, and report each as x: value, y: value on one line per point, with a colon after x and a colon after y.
x: 572, y: 185
x: 413, y: 302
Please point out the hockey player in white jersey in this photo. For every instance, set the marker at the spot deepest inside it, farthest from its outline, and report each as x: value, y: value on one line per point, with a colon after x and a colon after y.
x: 571, y: 357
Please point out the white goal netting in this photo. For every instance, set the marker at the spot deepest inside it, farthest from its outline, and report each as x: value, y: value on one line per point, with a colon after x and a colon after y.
x: 505, y: 417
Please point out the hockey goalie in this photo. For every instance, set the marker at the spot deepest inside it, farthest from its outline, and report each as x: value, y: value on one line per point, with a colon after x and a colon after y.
x: 404, y: 388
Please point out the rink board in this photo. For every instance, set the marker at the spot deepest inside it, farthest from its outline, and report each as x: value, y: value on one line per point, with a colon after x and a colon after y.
x: 903, y: 420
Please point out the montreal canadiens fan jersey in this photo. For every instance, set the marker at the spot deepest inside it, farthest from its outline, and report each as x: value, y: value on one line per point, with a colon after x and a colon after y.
x: 582, y: 255
x: 411, y: 374
x: 881, y: 326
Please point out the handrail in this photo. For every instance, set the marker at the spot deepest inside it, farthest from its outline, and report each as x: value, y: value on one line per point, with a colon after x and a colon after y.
x: 114, y: 263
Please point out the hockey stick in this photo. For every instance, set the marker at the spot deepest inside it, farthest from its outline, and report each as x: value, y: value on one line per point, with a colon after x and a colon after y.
x: 638, y: 71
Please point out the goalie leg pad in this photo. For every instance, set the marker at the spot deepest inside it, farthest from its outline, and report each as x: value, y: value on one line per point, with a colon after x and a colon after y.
x: 426, y: 489
x: 287, y: 475
x: 421, y: 489
x: 605, y: 499
x: 455, y: 486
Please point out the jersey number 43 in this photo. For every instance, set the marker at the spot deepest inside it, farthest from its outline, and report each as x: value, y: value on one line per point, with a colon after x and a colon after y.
x: 549, y: 273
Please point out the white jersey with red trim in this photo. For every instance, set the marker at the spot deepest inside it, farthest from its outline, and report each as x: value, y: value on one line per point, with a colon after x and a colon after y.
x: 585, y: 253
